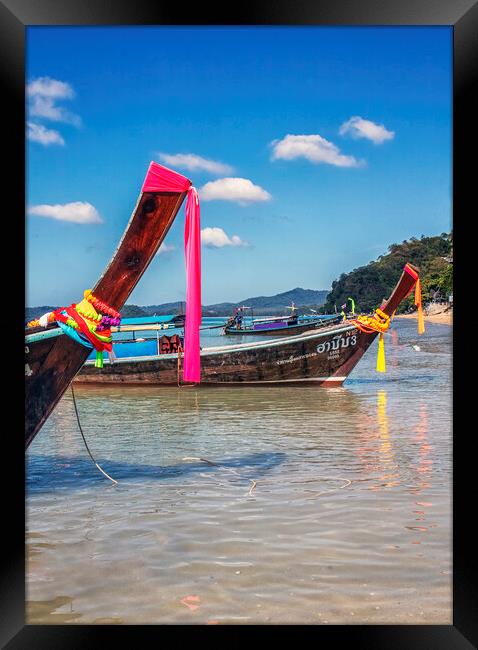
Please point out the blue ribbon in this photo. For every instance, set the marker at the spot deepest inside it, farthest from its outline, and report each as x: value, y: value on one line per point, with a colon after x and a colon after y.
x: 74, y: 334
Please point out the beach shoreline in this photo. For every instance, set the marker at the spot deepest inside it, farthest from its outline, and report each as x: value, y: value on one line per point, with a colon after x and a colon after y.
x: 442, y: 318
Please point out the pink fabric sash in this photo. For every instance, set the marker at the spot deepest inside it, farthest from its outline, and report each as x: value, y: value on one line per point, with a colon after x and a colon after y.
x: 192, y: 248
x: 162, y: 179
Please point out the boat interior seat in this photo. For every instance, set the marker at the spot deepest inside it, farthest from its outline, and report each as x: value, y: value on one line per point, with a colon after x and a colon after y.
x: 175, y: 342
x: 169, y: 344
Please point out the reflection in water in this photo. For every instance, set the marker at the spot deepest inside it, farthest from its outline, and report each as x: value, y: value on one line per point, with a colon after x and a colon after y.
x: 390, y: 477
x: 376, y: 448
x: 424, y: 464
x: 377, y: 456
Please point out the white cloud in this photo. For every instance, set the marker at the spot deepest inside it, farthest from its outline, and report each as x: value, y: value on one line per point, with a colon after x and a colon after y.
x: 217, y: 238
x: 194, y: 163
x: 240, y: 190
x: 45, y: 107
x: 39, y: 133
x: 165, y: 248
x: 47, y: 87
x: 44, y: 93
x: 360, y: 128
x: 314, y: 148
x: 76, y: 212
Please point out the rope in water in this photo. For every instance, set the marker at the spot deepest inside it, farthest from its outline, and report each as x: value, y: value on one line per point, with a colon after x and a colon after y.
x: 84, y: 439
x: 229, y: 469
x: 346, y: 482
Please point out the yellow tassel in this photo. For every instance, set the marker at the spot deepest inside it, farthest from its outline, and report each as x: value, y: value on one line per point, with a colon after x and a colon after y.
x: 418, y: 303
x: 421, y: 321
x: 381, y: 367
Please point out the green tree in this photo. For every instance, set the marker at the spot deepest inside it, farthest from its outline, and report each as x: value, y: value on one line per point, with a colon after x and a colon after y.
x: 369, y: 285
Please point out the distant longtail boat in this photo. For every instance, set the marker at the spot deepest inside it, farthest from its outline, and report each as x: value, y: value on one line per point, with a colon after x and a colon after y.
x: 280, y: 325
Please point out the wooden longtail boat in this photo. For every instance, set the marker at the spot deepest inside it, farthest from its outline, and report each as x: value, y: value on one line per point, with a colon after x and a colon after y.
x: 281, y: 327
x: 323, y: 356
x: 52, y: 358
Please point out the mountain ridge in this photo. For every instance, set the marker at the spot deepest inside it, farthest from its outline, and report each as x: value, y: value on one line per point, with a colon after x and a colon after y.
x: 303, y: 299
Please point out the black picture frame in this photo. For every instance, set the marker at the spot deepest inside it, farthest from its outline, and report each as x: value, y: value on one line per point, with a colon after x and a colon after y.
x: 462, y: 15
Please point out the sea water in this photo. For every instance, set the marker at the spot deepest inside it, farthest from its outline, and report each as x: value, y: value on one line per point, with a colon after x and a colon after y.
x: 250, y: 504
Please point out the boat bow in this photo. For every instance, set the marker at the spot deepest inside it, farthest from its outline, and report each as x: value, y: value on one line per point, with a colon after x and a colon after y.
x: 52, y: 359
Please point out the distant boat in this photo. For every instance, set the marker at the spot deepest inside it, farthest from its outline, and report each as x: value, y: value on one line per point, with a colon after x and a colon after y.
x: 323, y: 356
x: 178, y: 320
x: 53, y: 358
x: 281, y: 325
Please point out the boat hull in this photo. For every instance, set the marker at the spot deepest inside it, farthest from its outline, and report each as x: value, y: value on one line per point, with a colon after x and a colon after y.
x: 318, y: 357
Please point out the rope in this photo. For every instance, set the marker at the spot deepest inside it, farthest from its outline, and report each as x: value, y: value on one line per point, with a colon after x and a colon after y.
x: 229, y: 469
x: 180, y: 349
x: 84, y: 440
x: 379, y: 322
x: 346, y: 482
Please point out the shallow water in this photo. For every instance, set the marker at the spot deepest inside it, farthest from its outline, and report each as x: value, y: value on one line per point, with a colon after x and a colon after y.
x: 316, y: 506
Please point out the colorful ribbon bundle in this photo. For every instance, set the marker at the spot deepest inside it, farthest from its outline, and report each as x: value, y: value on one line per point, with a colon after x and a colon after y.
x: 379, y: 322
x: 84, y: 322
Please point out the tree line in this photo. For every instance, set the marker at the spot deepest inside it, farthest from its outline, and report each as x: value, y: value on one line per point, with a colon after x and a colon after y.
x: 369, y: 285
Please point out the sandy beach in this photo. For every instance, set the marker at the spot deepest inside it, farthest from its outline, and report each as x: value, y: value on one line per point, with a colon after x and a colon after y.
x: 442, y: 317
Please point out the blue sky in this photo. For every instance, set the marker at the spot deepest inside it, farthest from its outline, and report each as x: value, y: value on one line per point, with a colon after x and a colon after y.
x: 338, y: 141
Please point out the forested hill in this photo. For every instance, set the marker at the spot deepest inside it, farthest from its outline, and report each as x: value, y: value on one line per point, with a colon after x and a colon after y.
x: 369, y: 285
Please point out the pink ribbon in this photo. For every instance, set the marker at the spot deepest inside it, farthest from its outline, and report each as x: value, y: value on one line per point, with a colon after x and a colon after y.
x: 192, y: 249
x: 162, y: 179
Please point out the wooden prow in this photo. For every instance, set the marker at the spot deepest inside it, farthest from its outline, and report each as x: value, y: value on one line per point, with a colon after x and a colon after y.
x: 403, y: 287
x: 53, y: 363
